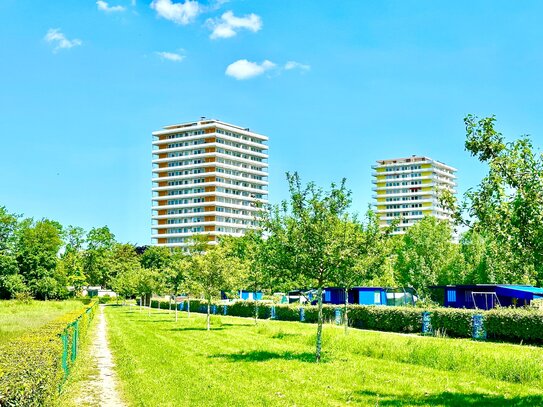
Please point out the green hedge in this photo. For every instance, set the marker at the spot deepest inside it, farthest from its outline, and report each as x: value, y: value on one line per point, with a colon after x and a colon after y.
x: 508, y: 324
x: 381, y: 318
x: 514, y: 324
x: 31, y: 371
x: 453, y: 322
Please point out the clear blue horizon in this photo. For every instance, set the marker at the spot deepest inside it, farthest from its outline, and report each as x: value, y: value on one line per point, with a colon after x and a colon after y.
x: 335, y: 86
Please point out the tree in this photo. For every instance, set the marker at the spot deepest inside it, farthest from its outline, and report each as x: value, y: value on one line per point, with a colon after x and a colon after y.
x: 8, y: 229
x: 427, y: 256
x: 148, y: 281
x: 214, y: 271
x: 304, y: 236
x: 124, y: 265
x: 38, y: 245
x: 177, y: 275
x: 507, y: 206
x: 364, y: 250
x: 250, y: 249
x: 100, y: 242
x: 488, y: 261
x: 72, y: 258
x: 11, y: 282
x: 126, y: 281
x: 157, y: 257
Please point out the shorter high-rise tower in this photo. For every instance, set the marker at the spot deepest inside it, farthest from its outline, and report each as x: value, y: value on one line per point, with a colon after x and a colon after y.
x: 409, y: 189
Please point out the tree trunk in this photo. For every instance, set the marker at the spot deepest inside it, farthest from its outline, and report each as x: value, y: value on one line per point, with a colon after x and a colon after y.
x: 149, y: 314
x: 256, y: 312
x: 141, y: 302
x: 346, y: 313
x: 188, y: 305
x: 319, y: 327
x: 208, y: 313
x: 176, y: 307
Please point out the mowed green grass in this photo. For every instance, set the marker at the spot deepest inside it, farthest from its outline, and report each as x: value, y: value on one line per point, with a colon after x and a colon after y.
x: 16, y: 317
x: 164, y: 363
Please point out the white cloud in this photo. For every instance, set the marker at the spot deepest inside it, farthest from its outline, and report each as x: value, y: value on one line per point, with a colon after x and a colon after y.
x: 228, y: 25
x: 179, y: 13
x: 104, y: 6
x: 56, y: 37
x: 243, y: 69
x: 171, y: 56
x: 297, y: 65
x: 217, y: 4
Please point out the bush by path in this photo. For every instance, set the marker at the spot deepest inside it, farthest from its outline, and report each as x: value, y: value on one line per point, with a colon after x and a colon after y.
x: 32, y: 365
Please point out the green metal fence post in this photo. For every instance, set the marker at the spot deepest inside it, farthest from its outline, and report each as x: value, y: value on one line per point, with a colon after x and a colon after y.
x: 65, y: 352
x: 75, y: 337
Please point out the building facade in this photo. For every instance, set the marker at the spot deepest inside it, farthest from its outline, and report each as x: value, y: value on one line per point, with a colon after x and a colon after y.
x: 409, y: 189
x: 208, y: 178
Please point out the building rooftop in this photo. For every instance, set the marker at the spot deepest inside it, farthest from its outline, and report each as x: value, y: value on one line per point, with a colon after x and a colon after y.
x: 204, y: 123
x: 413, y: 159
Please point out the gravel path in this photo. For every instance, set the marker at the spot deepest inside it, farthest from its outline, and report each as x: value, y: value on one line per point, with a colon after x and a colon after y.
x: 101, y: 390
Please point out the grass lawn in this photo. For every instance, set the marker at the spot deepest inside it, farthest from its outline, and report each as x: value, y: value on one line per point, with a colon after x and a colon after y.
x: 16, y: 318
x: 163, y: 363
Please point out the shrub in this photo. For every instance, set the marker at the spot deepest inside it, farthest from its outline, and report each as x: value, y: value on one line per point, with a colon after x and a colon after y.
x: 384, y: 318
x: 86, y: 300
x: 312, y: 313
x: 104, y: 299
x: 31, y: 370
x: 514, y: 324
x: 287, y: 313
x: 453, y: 322
x: 23, y: 297
x: 247, y: 309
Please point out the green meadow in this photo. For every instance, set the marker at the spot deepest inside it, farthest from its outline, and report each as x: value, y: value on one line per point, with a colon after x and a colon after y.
x: 160, y: 362
x: 18, y: 317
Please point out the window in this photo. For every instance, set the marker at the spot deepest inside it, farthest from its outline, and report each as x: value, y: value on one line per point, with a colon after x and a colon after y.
x: 451, y: 296
x: 377, y: 297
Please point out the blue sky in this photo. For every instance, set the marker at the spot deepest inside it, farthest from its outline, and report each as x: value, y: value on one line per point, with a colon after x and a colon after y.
x: 83, y: 84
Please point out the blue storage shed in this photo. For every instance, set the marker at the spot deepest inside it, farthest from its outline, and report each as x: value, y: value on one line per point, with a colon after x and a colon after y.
x: 357, y: 295
x: 243, y: 294
x: 250, y: 295
x: 368, y: 295
x: 488, y: 296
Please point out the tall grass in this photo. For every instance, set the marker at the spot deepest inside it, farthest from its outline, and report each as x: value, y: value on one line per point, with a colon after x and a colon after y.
x: 18, y: 317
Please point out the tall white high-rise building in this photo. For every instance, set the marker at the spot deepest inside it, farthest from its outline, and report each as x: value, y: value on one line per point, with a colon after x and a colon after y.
x: 208, y: 178
x: 409, y: 189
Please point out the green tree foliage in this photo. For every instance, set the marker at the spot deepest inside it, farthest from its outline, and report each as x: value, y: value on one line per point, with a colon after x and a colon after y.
x: 487, y: 261
x: 11, y: 282
x: 38, y: 245
x: 365, y: 249
x: 127, y: 273
x: 157, y: 257
x: 8, y: 228
x: 507, y: 206
x: 427, y: 256
x: 100, y: 242
x: 306, y: 234
x: 214, y: 271
x: 177, y: 276
x: 72, y: 260
x: 251, y: 250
